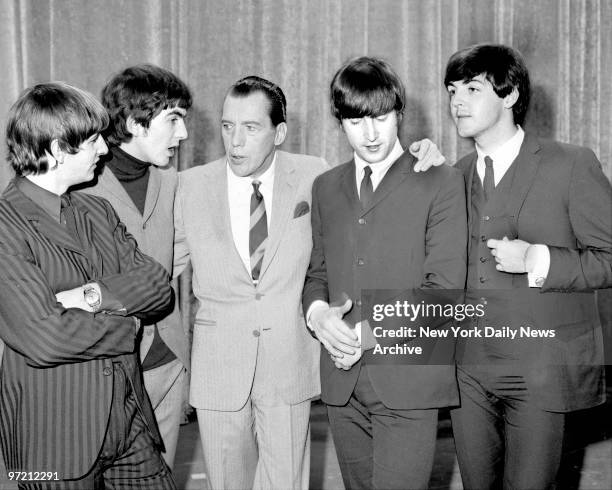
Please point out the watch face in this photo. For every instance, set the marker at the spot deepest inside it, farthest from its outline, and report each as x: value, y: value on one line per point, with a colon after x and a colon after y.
x: 92, y: 297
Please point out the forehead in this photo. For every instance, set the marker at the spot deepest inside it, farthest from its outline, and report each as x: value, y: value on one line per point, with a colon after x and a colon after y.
x: 477, y: 78
x: 253, y: 107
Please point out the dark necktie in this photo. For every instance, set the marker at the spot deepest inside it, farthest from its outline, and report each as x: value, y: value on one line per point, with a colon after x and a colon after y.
x: 258, y: 232
x: 488, y: 182
x: 366, y: 191
x: 68, y: 218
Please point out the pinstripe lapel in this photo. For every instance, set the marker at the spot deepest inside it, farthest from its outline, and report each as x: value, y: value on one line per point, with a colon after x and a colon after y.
x: 40, y: 219
x: 284, y: 188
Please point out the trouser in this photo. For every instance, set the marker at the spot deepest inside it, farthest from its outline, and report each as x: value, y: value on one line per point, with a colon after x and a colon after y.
x: 165, y: 387
x: 379, y: 447
x: 128, y: 459
x: 503, y: 440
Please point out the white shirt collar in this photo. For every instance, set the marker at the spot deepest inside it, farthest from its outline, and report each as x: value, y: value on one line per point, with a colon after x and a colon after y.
x: 379, y: 170
x: 502, y: 156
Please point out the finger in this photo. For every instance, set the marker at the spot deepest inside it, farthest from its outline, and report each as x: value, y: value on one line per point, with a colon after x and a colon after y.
x: 499, y: 267
x: 346, y: 307
x: 493, y: 243
x: 335, y: 353
x: 414, y: 147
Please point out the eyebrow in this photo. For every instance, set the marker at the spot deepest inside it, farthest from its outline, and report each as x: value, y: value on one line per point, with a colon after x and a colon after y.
x: 177, y: 112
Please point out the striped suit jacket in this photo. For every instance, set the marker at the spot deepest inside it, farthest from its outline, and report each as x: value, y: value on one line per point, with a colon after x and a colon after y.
x: 56, y: 380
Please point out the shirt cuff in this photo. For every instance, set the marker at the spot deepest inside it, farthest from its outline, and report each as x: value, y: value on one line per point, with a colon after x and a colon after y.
x: 537, y: 264
x: 317, y: 304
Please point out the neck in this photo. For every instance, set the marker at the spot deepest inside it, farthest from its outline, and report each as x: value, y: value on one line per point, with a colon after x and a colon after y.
x: 133, y: 150
x: 491, y: 140
x: 47, y: 182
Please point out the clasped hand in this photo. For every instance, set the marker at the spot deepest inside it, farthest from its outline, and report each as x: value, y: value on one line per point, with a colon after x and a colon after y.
x: 337, y: 337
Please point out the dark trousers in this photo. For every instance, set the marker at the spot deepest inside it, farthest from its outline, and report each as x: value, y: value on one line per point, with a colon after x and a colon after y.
x: 128, y: 459
x: 379, y: 447
x: 503, y: 440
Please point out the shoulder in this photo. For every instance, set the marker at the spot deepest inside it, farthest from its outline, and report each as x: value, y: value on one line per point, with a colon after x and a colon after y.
x: 97, y: 205
x: 464, y: 163
x: 306, y: 165
x: 564, y: 153
x: 201, y: 171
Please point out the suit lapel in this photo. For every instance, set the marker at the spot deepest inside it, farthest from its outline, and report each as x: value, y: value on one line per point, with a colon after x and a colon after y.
x: 469, y: 170
x: 284, y: 196
x: 110, y: 184
x: 396, y: 174
x: 153, y: 189
x: 348, y: 184
x: 526, y: 167
x: 216, y: 198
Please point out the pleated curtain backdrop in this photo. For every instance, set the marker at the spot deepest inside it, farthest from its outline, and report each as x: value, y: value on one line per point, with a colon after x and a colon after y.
x: 300, y: 44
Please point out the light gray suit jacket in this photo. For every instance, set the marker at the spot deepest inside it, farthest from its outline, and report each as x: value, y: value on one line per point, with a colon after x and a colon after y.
x: 153, y: 230
x: 234, y: 315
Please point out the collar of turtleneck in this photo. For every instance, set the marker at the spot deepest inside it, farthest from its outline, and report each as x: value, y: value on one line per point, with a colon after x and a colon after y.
x: 126, y: 167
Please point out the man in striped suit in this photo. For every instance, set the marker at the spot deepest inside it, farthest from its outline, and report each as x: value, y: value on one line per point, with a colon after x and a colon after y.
x: 73, y: 409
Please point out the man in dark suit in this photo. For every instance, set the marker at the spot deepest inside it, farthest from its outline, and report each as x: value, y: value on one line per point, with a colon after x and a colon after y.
x: 540, y: 243
x: 73, y: 408
x: 378, y: 224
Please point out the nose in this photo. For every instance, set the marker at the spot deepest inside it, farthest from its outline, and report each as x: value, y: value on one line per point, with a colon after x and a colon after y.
x: 101, y: 149
x: 237, y: 136
x: 370, y: 130
x: 181, y: 130
x: 456, y: 99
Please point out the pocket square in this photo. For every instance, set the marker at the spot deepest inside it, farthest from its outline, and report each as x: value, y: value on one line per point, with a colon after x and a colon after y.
x: 301, y: 209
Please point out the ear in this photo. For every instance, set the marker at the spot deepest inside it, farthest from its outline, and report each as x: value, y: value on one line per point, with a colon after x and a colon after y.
x: 511, y: 98
x: 56, y: 156
x: 135, y: 128
x: 281, y: 133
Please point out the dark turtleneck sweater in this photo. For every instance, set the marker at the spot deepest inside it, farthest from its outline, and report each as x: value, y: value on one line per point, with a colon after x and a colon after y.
x: 134, y: 177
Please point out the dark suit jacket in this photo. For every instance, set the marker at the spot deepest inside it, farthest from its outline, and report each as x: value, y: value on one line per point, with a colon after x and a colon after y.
x: 56, y: 380
x: 413, y: 235
x: 560, y: 197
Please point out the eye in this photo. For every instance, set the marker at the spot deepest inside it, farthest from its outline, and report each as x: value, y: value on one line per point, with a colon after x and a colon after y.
x: 226, y: 126
x: 451, y: 90
x: 251, y: 128
x: 355, y: 121
x: 382, y: 118
x: 473, y: 89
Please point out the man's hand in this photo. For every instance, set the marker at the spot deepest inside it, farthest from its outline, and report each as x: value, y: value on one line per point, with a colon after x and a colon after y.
x: 347, y: 361
x: 509, y: 254
x: 335, y: 335
x: 427, y: 154
x: 73, y: 298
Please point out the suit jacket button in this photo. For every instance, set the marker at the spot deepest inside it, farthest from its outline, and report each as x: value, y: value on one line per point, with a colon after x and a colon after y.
x: 482, y: 279
x: 358, y: 302
x: 255, y: 333
x: 144, y: 226
x: 485, y: 218
x: 360, y: 262
x: 483, y: 259
x: 483, y: 238
x: 362, y: 221
x: 107, y: 371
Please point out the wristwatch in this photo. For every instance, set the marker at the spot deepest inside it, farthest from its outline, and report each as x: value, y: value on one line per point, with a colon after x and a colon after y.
x: 92, y: 297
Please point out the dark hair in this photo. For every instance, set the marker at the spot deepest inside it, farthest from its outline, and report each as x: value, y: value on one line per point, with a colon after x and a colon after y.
x: 141, y: 91
x: 46, y: 112
x: 366, y: 86
x: 501, y: 65
x: 251, y: 84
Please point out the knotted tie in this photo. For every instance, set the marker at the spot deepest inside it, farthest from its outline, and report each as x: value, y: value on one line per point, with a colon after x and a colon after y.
x: 366, y: 191
x: 259, y: 231
x: 68, y: 218
x: 488, y: 182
